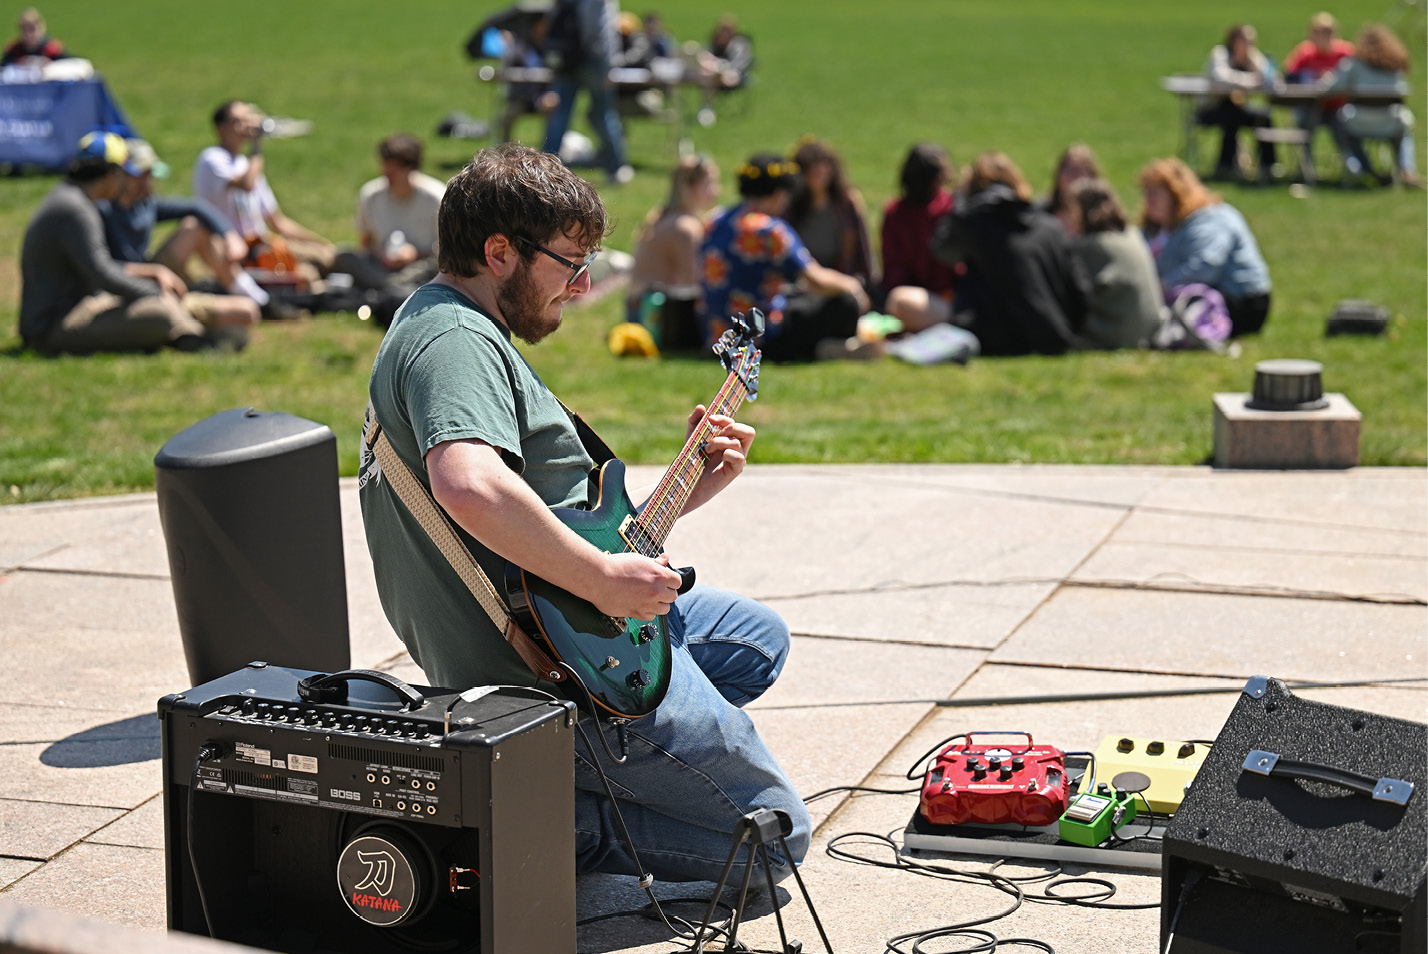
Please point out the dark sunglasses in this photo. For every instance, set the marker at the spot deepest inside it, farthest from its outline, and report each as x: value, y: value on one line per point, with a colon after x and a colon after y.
x: 576, y: 268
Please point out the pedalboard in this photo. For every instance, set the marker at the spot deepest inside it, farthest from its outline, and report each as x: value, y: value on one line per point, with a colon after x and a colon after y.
x: 995, y: 783
x: 1170, y: 766
x: 1093, y: 817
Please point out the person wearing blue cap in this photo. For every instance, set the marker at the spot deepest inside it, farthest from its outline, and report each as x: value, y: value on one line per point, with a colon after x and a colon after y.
x: 74, y: 297
x: 129, y: 221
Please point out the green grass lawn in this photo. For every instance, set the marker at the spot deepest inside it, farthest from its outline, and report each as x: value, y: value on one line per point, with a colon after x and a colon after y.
x: 1026, y: 77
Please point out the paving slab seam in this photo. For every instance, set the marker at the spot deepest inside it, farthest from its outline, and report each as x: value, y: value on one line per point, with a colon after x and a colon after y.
x: 898, y: 586
x: 1129, y: 540
x: 1266, y: 591
x: 880, y: 641
x: 1384, y: 681
x: 50, y: 801
x: 25, y: 567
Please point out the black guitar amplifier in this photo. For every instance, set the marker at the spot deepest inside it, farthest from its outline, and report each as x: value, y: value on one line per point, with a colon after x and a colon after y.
x: 1305, y: 830
x: 308, y: 812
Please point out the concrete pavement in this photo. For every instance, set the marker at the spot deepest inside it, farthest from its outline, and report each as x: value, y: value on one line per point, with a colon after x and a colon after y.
x: 902, y: 584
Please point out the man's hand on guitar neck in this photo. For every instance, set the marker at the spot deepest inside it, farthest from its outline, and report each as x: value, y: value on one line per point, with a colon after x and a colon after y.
x: 725, y: 453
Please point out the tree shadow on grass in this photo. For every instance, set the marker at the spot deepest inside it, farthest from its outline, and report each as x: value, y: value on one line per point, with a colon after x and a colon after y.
x: 125, y: 742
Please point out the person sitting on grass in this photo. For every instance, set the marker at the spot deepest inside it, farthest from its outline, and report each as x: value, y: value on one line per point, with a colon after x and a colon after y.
x: 1076, y: 162
x: 1198, y: 238
x: 665, y: 277
x: 1023, y: 292
x: 230, y: 177
x: 1124, y: 306
x: 827, y: 213
x: 74, y: 297
x: 919, y: 287
x: 752, y: 258
x: 129, y: 220
x: 396, y: 221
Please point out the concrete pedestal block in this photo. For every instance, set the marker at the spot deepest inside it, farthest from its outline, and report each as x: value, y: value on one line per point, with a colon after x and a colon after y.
x: 1326, y: 438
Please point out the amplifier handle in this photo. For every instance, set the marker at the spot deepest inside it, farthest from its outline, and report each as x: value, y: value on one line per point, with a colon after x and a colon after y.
x: 332, y: 687
x: 1383, y: 789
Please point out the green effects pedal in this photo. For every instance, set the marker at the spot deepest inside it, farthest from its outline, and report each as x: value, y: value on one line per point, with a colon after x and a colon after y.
x: 1092, y: 818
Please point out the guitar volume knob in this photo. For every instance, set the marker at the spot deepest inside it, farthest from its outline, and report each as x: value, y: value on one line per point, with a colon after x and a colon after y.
x: 647, y: 633
x: 639, y: 678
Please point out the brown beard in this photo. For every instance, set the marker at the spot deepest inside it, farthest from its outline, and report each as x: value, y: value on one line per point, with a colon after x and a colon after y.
x: 524, y: 307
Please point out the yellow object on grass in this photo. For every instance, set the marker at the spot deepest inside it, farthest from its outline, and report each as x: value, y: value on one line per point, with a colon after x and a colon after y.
x: 628, y: 338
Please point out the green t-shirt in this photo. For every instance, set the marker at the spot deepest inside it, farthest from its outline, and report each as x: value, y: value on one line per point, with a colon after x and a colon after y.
x: 447, y: 372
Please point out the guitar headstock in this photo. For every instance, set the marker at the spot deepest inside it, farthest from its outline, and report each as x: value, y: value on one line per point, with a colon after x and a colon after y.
x: 736, y: 351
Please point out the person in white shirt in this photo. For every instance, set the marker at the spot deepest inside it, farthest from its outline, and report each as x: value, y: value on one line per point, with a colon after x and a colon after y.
x: 396, y: 221
x: 230, y: 176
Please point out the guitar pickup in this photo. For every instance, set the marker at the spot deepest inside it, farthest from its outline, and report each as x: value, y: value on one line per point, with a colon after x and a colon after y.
x: 634, y: 533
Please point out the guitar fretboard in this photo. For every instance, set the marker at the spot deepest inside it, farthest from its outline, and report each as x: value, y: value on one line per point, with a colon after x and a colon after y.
x: 648, y: 532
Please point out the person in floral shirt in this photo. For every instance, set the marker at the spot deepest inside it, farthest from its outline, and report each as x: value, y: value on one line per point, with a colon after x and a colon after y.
x: 752, y: 258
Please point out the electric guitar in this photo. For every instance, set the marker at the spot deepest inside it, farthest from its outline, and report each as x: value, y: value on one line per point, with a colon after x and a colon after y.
x: 623, y: 664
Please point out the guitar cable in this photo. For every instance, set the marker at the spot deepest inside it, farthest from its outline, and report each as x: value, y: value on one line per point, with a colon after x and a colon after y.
x: 206, y: 753
x: 646, y: 880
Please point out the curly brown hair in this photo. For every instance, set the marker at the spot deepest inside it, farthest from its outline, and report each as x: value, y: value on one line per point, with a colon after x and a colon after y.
x: 1376, y: 46
x: 518, y: 192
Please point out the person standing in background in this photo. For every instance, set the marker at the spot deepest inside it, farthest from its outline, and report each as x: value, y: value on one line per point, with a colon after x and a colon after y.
x: 580, y: 44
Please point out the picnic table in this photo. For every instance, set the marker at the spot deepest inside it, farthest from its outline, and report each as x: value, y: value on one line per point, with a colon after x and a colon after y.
x: 671, y: 76
x: 1192, y: 90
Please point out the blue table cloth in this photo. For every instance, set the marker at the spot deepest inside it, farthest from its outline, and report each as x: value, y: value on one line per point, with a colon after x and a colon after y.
x: 41, y: 123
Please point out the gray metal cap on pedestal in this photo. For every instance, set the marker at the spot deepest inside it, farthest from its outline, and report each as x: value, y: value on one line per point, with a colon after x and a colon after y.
x: 1288, y: 384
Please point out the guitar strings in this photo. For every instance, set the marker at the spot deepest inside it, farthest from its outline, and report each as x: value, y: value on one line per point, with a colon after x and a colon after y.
x: 672, y: 492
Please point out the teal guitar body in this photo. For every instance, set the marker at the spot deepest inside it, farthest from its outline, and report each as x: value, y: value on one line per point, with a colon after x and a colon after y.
x: 623, y: 664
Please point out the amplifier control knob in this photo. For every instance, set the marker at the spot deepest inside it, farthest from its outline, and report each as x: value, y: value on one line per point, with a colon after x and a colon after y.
x: 1186, y: 750
x: 979, y: 774
x: 1006, y: 774
x: 1155, y: 748
x: 994, y: 763
x: 1124, y: 745
x: 1018, y: 764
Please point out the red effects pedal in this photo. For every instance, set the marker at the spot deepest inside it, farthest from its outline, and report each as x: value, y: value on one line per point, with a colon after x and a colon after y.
x: 996, y: 783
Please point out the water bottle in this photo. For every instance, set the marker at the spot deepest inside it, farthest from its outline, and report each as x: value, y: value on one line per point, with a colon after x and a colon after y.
x: 395, y: 241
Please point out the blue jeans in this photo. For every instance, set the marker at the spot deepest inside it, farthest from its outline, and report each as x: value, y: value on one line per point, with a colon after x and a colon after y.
x: 602, y: 116
x: 696, y: 764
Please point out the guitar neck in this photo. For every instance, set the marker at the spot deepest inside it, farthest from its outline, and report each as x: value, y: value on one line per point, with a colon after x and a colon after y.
x: 664, y: 506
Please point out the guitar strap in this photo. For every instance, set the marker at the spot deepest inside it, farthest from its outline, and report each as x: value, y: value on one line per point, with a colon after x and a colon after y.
x: 437, y: 524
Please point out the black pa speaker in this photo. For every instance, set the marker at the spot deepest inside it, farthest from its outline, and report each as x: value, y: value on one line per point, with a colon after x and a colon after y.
x: 322, y: 813
x: 1304, y: 831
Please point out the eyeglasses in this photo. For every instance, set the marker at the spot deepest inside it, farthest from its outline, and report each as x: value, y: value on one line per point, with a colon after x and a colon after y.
x: 577, y: 268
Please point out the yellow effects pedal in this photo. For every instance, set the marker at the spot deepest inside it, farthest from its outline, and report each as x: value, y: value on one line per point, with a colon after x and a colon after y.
x: 1169, y: 765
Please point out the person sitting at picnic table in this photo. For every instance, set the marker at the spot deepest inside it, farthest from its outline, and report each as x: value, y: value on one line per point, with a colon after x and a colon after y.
x: 1309, y: 62
x: 129, y: 220
x: 1124, y: 306
x: 827, y: 213
x: 919, y: 287
x: 1075, y: 163
x: 1023, y: 292
x: 1235, y: 68
x: 664, y: 282
x: 34, y: 46
x: 1198, y: 238
x: 1379, y: 64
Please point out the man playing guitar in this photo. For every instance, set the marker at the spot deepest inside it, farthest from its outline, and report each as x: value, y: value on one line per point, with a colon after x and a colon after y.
x: 466, y: 413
